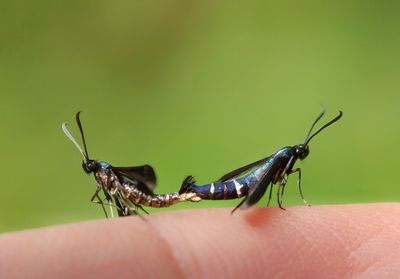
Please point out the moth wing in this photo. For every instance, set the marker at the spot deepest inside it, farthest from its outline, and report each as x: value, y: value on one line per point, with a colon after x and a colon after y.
x: 240, y: 171
x: 143, y: 176
x: 256, y: 193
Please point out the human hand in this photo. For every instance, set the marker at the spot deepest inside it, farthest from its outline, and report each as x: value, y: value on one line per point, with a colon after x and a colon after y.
x: 338, y: 241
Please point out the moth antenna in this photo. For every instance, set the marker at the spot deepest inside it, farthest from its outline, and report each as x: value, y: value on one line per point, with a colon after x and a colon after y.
x: 315, y: 122
x: 68, y: 134
x: 78, y: 121
x: 326, y: 125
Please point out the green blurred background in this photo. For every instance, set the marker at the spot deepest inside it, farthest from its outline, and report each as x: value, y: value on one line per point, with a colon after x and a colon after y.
x: 195, y: 87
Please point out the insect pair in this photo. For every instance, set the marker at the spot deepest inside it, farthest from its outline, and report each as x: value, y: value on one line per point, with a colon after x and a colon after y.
x: 128, y: 189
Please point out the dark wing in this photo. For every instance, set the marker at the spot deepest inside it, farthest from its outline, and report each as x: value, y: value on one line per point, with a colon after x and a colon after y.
x: 187, y: 185
x: 143, y: 176
x: 238, y: 172
x: 257, y: 191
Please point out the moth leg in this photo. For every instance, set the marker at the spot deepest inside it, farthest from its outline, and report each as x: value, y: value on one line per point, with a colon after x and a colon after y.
x: 122, y: 205
x: 270, y: 194
x: 99, y: 200
x: 283, y: 183
x: 96, y: 195
x: 141, y: 207
x: 299, y: 185
x: 134, y: 210
x: 120, y: 209
x: 111, y: 209
x: 110, y: 203
x: 281, y: 187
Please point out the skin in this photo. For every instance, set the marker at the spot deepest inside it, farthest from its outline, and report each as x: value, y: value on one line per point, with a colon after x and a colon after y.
x: 338, y: 241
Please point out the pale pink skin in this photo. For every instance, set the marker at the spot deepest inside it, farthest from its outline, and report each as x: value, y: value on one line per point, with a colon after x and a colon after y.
x: 338, y: 241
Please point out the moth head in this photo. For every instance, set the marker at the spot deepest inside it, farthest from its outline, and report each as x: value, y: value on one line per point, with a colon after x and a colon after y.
x: 302, y: 151
x: 90, y: 166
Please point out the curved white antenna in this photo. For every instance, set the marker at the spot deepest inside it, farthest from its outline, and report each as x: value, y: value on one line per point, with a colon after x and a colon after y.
x: 68, y: 134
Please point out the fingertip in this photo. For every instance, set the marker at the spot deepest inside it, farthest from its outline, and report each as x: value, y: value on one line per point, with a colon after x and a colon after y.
x: 301, y: 241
